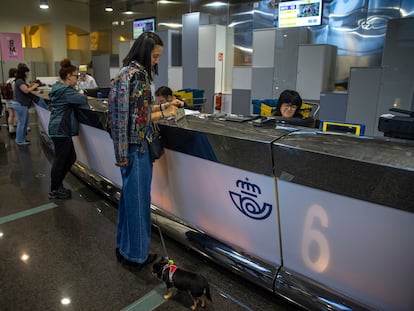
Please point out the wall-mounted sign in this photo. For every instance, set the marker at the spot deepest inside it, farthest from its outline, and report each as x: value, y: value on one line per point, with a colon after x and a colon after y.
x: 11, y: 46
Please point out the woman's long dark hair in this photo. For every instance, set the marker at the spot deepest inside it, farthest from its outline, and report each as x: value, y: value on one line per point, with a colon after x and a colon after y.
x: 21, y: 71
x: 141, y: 52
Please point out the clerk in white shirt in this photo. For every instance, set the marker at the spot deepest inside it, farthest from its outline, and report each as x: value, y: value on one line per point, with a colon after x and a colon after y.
x: 86, y: 81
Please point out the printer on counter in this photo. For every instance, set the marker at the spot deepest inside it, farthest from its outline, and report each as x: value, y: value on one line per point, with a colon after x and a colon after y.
x: 397, y: 126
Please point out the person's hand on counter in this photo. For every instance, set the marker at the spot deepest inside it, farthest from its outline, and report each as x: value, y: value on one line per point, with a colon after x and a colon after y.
x: 170, y: 111
x: 165, y: 111
x: 33, y: 88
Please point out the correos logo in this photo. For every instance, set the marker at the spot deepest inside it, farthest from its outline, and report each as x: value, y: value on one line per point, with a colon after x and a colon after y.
x: 247, y: 200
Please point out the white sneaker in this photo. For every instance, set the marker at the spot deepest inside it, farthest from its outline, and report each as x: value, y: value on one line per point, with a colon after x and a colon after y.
x: 23, y: 143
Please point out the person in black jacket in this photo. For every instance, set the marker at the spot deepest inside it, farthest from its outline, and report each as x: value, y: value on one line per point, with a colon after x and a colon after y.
x: 63, y: 125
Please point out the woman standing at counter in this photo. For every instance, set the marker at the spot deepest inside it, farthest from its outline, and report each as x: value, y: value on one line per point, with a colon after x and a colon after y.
x: 12, y: 118
x: 131, y: 110
x: 23, y: 101
x: 63, y: 126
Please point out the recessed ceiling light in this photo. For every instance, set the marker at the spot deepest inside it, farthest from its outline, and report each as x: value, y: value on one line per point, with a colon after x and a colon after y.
x: 108, y: 6
x: 44, y: 5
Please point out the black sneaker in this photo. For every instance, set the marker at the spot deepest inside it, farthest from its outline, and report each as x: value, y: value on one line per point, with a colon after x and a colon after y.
x: 64, y: 190
x: 57, y: 194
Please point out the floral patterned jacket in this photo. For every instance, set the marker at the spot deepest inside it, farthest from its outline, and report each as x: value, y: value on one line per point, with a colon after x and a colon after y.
x: 129, y: 110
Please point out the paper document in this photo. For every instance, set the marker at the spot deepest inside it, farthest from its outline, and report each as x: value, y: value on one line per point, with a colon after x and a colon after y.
x: 190, y: 112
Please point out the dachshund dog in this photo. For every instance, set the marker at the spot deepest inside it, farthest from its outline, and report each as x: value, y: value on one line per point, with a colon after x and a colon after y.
x: 195, y: 284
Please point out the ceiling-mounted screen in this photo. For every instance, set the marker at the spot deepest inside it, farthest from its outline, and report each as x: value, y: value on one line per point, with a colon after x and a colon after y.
x: 141, y: 25
x: 300, y: 13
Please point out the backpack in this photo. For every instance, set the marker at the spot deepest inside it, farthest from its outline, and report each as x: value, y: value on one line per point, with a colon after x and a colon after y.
x: 6, y: 90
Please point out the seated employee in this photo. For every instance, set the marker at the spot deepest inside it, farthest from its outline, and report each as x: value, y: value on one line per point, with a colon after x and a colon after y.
x: 165, y: 97
x: 86, y: 81
x: 289, y: 105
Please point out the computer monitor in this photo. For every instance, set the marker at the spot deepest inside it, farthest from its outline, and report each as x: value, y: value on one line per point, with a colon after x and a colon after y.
x: 300, y: 13
x: 91, y: 92
x: 305, y: 122
x: 141, y: 25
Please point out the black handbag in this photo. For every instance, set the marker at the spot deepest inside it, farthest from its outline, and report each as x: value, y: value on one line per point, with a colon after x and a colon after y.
x: 155, y: 145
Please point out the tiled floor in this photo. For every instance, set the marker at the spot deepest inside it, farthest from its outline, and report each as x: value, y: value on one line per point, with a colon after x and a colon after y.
x: 69, y: 248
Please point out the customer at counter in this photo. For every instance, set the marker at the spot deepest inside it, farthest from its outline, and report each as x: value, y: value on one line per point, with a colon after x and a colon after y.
x: 131, y: 112
x: 23, y: 95
x: 289, y: 104
x: 12, y: 115
x: 63, y: 125
x: 165, y: 97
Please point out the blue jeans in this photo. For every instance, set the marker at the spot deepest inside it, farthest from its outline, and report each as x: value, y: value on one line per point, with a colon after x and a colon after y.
x: 22, y: 121
x: 134, y: 211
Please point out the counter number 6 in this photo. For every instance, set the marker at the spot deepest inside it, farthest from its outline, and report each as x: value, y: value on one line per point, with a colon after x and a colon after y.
x: 315, y: 246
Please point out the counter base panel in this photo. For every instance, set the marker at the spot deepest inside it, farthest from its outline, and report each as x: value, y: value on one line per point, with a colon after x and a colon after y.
x: 299, y: 290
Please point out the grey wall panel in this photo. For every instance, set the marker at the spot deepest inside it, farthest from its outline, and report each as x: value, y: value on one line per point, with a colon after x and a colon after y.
x: 190, y: 49
x: 101, y: 65
x: 397, y: 85
x: 206, y: 80
x: 241, y: 103
x: 399, y: 43
x: 162, y: 78
x: 175, y: 48
x: 397, y: 91
x: 286, y: 57
x: 39, y: 69
x: 333, y: 106
x: 57, y: 66
x: 316, y: 70
x: 171, y: 56
x: 364, y: 87
x: 279, y: 47
x: 262, y: 83
x: 5, y: 66
x: 263, y: 47
x: 124, y: 48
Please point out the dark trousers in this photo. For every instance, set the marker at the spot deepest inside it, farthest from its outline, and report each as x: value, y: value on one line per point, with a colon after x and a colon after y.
x: 65, y: 156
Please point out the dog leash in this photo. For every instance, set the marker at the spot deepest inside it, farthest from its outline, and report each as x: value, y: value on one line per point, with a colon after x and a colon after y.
x: 162, y: 240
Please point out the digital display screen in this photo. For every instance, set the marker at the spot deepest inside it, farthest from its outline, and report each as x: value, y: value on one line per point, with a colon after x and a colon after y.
x: 342, y: 127
x: 141, y: 25
x: 300, y: 13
